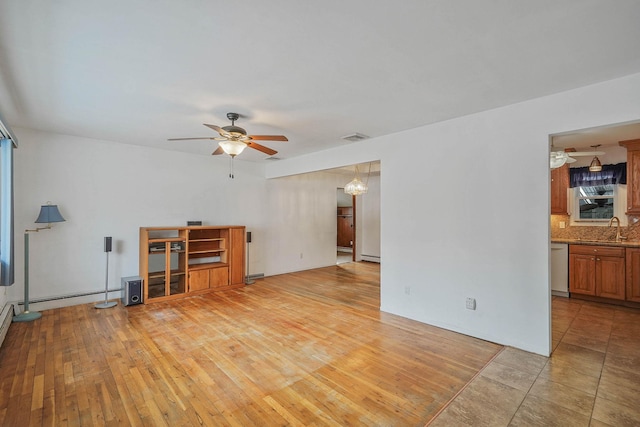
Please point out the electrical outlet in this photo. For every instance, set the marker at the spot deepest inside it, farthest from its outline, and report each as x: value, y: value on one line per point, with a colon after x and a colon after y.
x: 563, y: 224
x: 471, y: 303
x: 407, y: 290
x: 300, y: 255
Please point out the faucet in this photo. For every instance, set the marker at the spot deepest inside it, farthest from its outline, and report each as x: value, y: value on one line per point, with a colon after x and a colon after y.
x: 618, y: 235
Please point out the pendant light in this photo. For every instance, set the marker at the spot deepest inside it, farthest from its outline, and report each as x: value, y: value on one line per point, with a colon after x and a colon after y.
x: 595, y: 165
x: 356, y: 187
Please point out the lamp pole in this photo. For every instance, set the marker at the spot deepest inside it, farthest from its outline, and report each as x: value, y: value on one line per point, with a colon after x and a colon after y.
x: 26, y: 315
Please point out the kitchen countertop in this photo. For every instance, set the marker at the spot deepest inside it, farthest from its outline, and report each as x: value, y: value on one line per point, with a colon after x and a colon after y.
x: 624, y: 243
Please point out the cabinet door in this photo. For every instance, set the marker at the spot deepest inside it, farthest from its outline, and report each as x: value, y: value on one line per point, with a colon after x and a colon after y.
x: 198, y: 280
x: 218, y: 277
x: 559, y: 186
x: 633, y: 175
x: 610, y: 277
x: 236, y: 256
x: 633, y: 275
x: 582, y: 274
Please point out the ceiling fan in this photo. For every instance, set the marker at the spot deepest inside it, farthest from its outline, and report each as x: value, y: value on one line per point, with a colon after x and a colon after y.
x: 559, y: 158
x: 234, y: 139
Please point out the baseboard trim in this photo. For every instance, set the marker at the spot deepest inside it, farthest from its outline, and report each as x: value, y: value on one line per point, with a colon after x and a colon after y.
x: 58, y: 301
x: 5, y: 321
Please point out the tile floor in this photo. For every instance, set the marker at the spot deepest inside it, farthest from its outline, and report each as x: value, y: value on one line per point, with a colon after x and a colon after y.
x: 591, y: 379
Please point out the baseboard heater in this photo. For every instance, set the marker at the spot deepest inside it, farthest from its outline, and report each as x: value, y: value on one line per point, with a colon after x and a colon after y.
x: 61, y: 297
x: 370, y: 258
x: 5, y: 320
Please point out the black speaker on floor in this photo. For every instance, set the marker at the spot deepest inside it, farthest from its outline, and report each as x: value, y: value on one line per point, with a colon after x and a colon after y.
x: 131, y: 290
x: 248, y: 237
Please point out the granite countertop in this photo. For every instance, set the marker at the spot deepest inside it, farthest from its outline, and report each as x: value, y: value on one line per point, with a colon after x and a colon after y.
x: 624, y: 243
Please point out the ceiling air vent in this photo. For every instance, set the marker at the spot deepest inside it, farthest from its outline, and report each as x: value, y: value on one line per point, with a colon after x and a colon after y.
x: 273, y: 158
x: 355, y: 137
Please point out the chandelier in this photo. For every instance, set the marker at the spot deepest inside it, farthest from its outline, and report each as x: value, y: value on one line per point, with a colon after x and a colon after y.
x: 356, y: 187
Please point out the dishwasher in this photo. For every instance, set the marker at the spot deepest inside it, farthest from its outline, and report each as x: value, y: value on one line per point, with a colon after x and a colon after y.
x: 560, y: 269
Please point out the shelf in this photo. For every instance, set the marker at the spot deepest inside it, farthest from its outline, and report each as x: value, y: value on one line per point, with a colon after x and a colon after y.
x: 161, y: 274
x: 208, y: 265
x: 207, y: 251
x: 162, y: 251
x: 215, y: 239
x: 166, y: 239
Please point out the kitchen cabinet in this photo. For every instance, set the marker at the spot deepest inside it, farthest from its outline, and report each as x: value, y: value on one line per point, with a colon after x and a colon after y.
x: 633, y: 274
x: 633, y: 175
x: 597, y: 271
x: 559, y: 186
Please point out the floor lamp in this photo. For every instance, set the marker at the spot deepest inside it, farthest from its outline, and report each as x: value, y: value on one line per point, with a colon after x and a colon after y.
x: 48, y: 214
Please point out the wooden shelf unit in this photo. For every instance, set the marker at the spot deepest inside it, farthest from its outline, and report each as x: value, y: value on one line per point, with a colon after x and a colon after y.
x: 181, y: 261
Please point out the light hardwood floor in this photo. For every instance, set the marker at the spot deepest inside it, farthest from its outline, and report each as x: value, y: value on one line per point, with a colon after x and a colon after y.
x: 308, y: 348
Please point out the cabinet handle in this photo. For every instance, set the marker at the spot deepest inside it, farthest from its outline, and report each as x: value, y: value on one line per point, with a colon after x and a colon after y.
x: 597, y: 259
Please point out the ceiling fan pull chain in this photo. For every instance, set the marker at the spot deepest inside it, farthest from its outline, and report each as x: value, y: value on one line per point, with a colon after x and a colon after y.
x: 231, y: 176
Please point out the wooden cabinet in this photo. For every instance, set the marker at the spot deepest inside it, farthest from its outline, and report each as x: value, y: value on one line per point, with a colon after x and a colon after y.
x: 559, y: 186
x: 178, y: 261
x: 582, y: 277
x: 345, y: 227
x: 633, y: 274
x: 208, y: 278
x: 597, y: 271
x: 633, y: 175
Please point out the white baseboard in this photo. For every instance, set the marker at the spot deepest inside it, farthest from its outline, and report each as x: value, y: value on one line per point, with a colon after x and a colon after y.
x: 370, y: 258
x: 5, y: 320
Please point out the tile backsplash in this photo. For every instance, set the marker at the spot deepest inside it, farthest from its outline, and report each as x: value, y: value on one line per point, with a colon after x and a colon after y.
x: 631, y: 231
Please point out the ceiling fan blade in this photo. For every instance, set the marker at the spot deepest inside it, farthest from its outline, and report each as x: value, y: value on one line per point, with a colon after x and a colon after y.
x: 571, y: 160
x: 219, y: 130
x: 268, y: 137
x: 262, y: 148
x: 188, y: 139
x: 586, y: 153
x: 218, y: 150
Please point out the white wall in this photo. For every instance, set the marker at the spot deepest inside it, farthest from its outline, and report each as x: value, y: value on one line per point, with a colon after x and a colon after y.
x: 110, y: 189
x: 302, y: 222
x: 369, y: 226
x: 489, y: 175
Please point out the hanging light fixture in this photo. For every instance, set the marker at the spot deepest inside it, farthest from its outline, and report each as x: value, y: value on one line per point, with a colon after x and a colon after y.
x: 232, y: 147
x: 595, y: 165
x: 356, y: 187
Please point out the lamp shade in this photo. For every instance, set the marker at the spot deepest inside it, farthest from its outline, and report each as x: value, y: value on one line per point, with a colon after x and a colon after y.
x: 232, y: 148
x: 49, y: 214
x: 595, y: 165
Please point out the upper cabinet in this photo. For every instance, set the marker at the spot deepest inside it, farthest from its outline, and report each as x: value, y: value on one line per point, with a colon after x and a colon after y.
x: 633, y: 175
x: 559, y: 186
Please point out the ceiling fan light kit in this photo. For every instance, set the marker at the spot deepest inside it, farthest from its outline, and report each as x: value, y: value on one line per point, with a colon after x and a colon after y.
x: 231, y: 147
x: 595, y: 165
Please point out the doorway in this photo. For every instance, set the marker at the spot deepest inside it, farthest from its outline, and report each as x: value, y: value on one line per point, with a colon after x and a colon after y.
x: 345, y: 227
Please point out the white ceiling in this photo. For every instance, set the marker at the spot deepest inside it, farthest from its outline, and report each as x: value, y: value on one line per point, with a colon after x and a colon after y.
x: 142, y: 71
